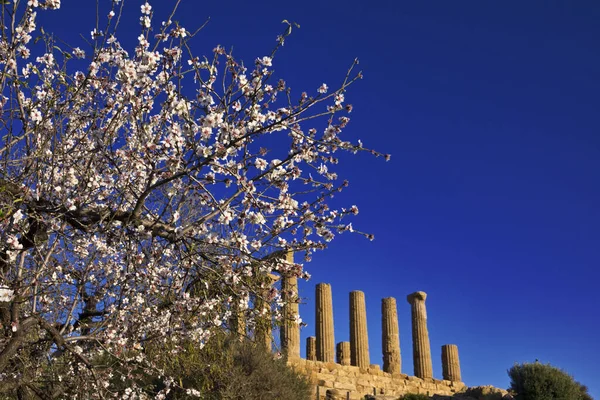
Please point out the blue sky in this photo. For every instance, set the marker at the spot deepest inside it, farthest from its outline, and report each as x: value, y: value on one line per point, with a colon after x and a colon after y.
x: 490, y: 203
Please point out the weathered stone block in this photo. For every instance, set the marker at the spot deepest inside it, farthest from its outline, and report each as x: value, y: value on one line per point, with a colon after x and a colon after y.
x: 345, y: 379
x: 325, y: 383
x: 331, y: 366
x: 373, y: 369
x: 344, y: 386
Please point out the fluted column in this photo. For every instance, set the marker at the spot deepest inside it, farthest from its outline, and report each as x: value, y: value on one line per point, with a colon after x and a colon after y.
x: 343, y: 353
x: 420, y: 336
x: 359, y: 339
x: 324, y: 325
x: 263, y: 330
x: 290, y: 332
x: 264, y: 321
x: 238, y: 322
x: 392, y: 361
x: 450, y: 363
x: 311, y: 348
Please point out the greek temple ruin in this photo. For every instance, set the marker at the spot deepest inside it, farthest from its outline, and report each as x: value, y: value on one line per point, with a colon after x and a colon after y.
x: 345, y: 367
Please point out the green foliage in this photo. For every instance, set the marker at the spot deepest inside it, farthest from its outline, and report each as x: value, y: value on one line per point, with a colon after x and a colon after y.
x: 224, y: 369
x: 414, y: 396
x: 227, y: 369
x: 536, y: 381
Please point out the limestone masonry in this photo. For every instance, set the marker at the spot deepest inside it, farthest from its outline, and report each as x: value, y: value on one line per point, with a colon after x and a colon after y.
x: 359, y: 382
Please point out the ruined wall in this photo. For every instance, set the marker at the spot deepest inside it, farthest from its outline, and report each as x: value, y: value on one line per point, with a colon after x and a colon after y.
x: 362, y: 381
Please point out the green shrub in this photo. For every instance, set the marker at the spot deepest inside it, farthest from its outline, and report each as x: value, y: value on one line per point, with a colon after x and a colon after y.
x: 413, y: 396
x: 536, y: 381
x: 224, y: 369
x: 227, y: 369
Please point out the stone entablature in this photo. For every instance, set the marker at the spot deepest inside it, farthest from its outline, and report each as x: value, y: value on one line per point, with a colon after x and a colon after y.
x: 359, y: 382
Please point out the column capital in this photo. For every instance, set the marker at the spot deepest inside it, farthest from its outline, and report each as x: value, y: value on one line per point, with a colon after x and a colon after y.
x: 411, y: 298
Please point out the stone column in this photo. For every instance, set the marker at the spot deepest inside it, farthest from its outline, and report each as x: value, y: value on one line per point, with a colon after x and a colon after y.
x: 311, y: 348
x: 420, y: 336
x: 359, y: 339
x: 390, y: 342
x: 343, y: 353
x: 324, y: 325
x: 264, y: 322
x: 450, y: 363
x: 238, y: 323
x: 263, y: 330
x: 290, y: 329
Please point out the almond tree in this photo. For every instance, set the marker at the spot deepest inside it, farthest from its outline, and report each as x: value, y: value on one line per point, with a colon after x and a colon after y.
x: 140, y: 200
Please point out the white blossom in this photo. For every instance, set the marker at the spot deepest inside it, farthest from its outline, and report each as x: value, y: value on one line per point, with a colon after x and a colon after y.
x: 146, y: 8
x: 6, y: 294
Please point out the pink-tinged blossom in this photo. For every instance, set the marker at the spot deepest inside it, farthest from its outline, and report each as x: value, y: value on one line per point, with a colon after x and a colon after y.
x: 260, y: 164
x: 53, y: 4
x: 266, y: 61
x: 179, y: 32
x: 17, y: 216
x: 77, y: 52
x: 146, y: 8
x: 145, y: 21
x: 6, y: 294
x: 256, y: 218
x: 96, y: 33
x: 35, y: 115
x: 323, y: 89
x: 14, y: 243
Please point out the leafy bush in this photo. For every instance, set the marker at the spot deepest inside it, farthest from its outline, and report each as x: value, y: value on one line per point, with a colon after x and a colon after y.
x: 227, y: 369
x: 536, y: 381
x: 224, y: 369
x: 413, y: 396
